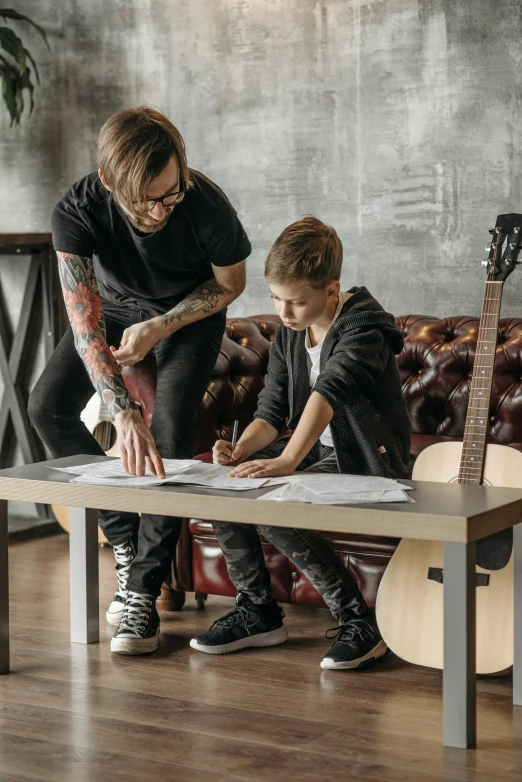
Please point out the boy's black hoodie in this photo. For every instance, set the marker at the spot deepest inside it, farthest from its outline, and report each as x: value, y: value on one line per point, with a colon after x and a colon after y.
x: 360, y: 380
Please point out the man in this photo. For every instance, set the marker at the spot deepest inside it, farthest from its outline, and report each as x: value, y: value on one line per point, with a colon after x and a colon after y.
x: 150, y: 254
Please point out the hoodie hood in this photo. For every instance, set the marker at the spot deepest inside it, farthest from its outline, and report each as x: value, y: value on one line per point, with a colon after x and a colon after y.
x: 363, y: 311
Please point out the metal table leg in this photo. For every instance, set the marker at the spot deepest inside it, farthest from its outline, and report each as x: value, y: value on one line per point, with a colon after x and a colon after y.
x: 459, y: 676
x: 83, y: 551
x: 517, y: 603
x: 4, y: 590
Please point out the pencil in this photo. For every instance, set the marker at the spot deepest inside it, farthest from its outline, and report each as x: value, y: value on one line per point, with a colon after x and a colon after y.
x: 234, y: 438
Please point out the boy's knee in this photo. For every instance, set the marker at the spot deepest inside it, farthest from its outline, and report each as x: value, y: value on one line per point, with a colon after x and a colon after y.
x: 270, y: 534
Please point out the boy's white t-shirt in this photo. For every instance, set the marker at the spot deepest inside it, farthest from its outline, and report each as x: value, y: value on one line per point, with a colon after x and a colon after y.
x: 314, y: 359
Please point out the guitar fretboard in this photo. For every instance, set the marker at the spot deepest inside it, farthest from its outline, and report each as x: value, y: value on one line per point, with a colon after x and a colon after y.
x: 477, y: 418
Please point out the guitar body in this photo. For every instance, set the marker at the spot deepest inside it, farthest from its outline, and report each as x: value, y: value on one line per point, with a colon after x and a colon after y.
x: 99, y: 423
x: 410, y: 606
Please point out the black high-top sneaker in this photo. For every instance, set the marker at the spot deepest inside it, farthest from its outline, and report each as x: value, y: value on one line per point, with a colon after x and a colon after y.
x: 247, y: 625
x: 358, y: 643
x: 138, y: 631
x: 124, y: 555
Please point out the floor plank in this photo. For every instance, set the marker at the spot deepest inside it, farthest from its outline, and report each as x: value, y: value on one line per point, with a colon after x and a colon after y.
x: 77, y: 713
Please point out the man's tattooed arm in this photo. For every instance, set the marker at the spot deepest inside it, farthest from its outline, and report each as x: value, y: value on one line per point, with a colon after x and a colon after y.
x: 82, y: 299
x: 210, y: 297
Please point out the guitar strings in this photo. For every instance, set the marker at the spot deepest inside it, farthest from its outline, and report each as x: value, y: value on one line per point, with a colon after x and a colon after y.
x: 475, y: 441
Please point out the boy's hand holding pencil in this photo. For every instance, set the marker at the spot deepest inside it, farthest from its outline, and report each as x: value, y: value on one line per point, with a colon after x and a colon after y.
x: 227, y: 453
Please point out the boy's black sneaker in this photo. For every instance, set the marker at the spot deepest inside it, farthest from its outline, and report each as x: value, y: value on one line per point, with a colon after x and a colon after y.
x: 138, y: 631
x: 358, y: 643
x: 247, y: 625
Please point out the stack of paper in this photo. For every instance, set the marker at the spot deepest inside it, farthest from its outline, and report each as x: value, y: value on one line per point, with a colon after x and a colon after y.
x: 334, y: 489
x: 184, y: 471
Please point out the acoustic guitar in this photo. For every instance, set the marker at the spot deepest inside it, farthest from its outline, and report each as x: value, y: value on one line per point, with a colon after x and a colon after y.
x: 410, y: 597
x: 98, y: 421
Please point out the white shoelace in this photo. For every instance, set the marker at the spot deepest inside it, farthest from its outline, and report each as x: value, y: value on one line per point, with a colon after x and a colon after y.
x: 124, y: 557
x: 136, y: 613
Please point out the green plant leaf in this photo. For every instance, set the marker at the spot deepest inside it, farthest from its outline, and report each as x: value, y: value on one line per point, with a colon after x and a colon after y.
x: 9, y: 13
x: 25, y: 83
x: 15, y: 74
x: 30, y: 57
x: 13, y: 45
x: 14, y: 84
x: 9, y: 91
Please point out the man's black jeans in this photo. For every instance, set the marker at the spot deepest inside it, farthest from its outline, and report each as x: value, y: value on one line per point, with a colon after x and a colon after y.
x: 185, y: 363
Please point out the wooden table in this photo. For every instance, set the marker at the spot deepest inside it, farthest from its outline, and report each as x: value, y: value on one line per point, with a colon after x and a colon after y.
x: 456, y: 514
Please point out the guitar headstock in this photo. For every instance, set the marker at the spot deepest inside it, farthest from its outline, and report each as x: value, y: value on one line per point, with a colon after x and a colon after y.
x: 505, y: 247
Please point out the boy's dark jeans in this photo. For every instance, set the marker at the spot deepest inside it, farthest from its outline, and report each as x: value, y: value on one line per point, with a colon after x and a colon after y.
x: 308, y: 550
x: 185, y: 362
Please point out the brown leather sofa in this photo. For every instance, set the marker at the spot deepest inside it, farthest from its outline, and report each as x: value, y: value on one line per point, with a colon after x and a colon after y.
x: 435, y: 365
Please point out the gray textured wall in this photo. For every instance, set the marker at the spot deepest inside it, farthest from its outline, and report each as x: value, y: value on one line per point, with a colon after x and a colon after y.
x: 397, y: 122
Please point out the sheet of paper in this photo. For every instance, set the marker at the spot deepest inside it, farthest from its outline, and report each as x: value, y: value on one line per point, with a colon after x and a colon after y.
x: 216, y: 477
x: 114, y: 468
x: 294, y: 492
x: 130, y: 480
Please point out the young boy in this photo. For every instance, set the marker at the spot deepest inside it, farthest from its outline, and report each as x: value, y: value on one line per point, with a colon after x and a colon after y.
x: 333, y: 381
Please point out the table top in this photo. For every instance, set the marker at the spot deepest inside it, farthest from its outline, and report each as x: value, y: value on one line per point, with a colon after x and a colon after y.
x: 442, y: 511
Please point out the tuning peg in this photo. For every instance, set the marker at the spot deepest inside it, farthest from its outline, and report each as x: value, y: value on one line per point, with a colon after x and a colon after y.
x: 487, y: 248
x: 485, y: 262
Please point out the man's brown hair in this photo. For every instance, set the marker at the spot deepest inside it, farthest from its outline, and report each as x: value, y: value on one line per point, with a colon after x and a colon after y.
x: 306, y: 250
x: 134, y: 146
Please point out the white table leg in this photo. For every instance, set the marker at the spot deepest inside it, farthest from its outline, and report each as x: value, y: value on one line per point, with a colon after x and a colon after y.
x: 4, y: 590
x: 83, y: 552
x: 517, y: 658
x: 459, y: 676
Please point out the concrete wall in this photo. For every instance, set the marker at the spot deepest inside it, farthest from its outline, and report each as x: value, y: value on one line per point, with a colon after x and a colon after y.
x: 397, y: 121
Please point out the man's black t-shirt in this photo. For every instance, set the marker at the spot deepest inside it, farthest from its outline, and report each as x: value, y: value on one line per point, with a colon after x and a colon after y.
x: 160, y: 268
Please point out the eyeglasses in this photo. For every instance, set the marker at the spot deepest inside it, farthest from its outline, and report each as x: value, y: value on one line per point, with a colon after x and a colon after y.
x: 171, y: 199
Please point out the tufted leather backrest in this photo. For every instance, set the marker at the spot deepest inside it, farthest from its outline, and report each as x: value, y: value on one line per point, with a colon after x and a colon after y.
x: 237, y: 379
x: 435, y: 366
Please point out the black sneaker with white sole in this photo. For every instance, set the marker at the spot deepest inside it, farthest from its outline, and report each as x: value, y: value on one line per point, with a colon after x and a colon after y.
x: 358, y: 643
x: 248, y: 625
x: 124, y: 555
x: 138, y: 631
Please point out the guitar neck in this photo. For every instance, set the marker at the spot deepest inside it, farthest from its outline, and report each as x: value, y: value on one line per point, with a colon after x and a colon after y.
x: 477, y: 417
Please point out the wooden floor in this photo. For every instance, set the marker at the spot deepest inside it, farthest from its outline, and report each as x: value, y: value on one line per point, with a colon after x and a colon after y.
x: 79, y: 714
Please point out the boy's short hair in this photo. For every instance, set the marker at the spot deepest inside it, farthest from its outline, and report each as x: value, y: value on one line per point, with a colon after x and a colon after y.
x: 306, y: 250
x: 134, y: 146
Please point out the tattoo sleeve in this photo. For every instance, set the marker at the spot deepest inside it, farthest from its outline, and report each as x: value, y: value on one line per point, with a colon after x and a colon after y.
x: 203, y: 301
x: 82, y: 299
